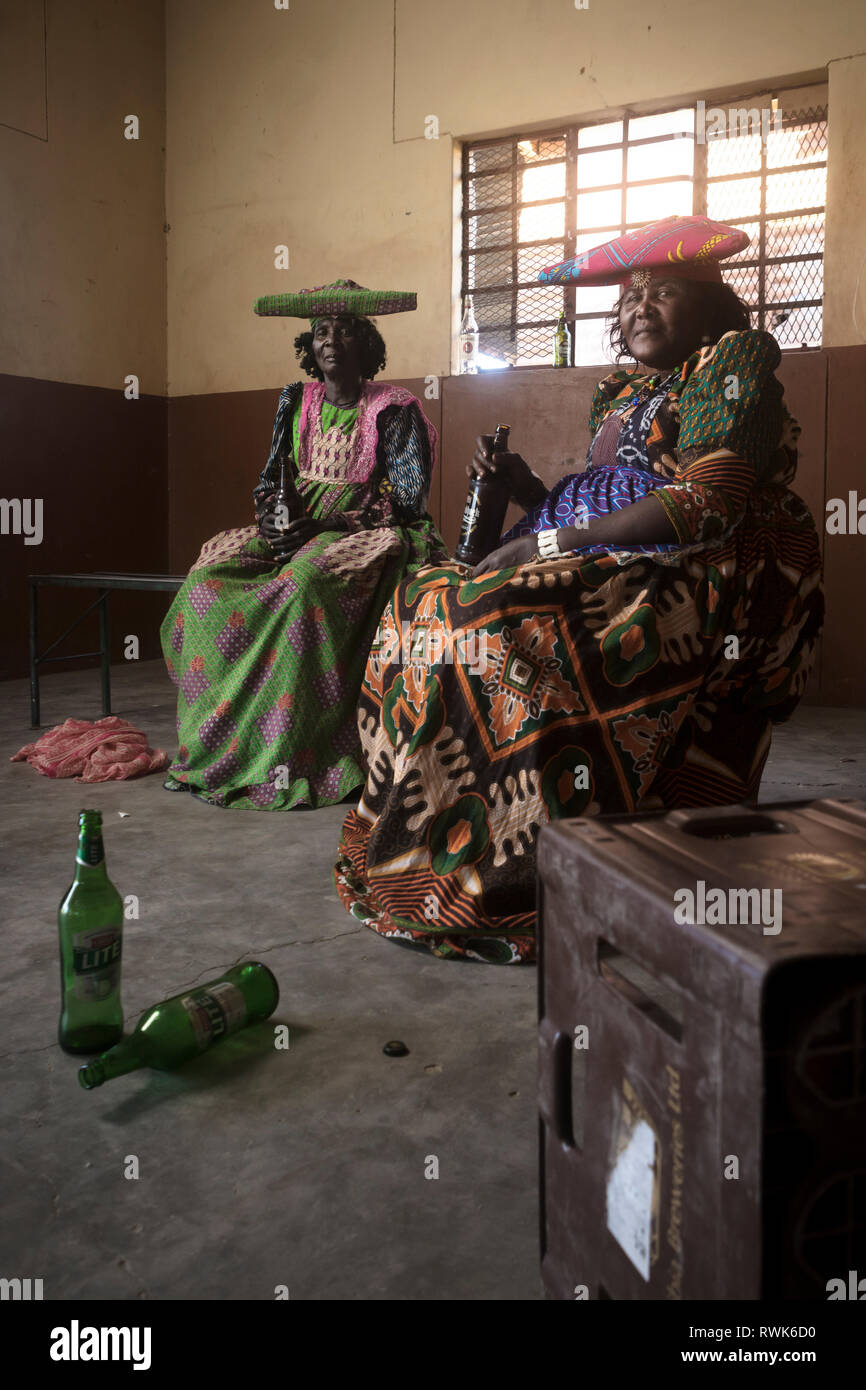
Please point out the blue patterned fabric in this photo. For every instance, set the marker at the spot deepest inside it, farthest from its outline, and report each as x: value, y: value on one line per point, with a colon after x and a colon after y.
x: 631, y: 448
x: 600, y: 490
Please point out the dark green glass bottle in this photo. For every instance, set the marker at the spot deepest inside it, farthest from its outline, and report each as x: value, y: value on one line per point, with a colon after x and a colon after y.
x: 90, y: 925
x: 186, y: 1025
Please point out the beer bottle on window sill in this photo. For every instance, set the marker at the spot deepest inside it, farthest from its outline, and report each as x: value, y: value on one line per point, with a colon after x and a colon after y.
x: 562, y: 344
x: 469, y: 340
x: 90, y: 926
x: 186, y: 1025
x: 484, y: 513
x: 288, y: 503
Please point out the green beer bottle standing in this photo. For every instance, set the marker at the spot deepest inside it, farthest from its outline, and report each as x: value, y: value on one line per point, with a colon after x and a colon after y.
x: 90, y: 923
x: 562, y: 344
x: 186, y: 1025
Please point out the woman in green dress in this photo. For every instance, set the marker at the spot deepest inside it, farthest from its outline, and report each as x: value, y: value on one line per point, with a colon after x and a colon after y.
x: 268, y: 638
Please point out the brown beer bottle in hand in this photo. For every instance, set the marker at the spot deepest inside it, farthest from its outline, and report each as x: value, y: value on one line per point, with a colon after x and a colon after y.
x: 484, y: 513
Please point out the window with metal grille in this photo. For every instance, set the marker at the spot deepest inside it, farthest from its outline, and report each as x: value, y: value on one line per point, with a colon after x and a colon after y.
x: 532, y: 200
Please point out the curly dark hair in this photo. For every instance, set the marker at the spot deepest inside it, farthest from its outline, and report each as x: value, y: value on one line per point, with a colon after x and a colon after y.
x: 721, y: 308
x: 371, y: 350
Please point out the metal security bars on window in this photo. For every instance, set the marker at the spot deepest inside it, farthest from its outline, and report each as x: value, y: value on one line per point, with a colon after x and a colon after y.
x: 529, y: 201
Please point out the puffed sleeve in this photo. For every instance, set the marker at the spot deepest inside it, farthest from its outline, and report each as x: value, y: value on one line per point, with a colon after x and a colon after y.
x: 281, y: 442
x: 408, y: 447
x: 731, y: 420
x: 604, y: 397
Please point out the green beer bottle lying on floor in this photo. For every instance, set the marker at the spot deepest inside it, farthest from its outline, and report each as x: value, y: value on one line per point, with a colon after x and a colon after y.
x: 186, y: 1025
x: 90, y: 923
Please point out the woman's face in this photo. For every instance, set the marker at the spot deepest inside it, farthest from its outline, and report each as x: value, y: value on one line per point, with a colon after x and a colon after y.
x: 661, y: 323
x: 336, y: 347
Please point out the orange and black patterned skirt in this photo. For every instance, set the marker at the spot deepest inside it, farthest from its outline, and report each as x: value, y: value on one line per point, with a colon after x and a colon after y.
x: 612, y: 683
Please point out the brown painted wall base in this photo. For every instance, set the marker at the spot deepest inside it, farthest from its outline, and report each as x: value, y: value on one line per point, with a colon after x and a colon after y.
x: 98, y: 461
x: 547, y: 410
x: 141, y: 485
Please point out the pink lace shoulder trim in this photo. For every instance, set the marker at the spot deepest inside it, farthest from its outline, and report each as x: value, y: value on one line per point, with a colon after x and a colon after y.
x: 375, y: 397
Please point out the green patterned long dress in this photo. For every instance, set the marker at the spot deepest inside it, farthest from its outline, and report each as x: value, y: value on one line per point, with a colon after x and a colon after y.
x: 268, y: 657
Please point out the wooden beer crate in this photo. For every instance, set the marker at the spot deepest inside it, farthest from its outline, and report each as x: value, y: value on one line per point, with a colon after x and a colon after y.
x: 702, y: 1052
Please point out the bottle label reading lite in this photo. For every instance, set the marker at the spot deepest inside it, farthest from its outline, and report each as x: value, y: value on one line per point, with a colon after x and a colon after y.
x: 215, y: 1012
x: 96, y: 963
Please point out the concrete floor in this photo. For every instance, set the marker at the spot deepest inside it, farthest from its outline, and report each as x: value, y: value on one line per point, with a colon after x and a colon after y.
x: 260, y: 1168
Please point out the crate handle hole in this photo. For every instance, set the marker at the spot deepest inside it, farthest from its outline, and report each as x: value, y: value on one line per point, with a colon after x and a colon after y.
x: 735, y: 827
x: 562, y: 1109
x: 657, y: 1001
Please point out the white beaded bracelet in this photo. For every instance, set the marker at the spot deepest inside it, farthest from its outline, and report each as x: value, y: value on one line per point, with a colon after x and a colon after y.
x: 548, y: 545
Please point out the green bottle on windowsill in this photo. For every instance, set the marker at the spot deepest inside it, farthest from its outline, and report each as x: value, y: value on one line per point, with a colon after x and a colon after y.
x: 186, y: 1025
x: 562, y: 344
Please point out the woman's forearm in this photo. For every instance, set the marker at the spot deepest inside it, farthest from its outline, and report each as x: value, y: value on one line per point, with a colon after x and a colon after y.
x: 533, y: 494
x: 640, y: 523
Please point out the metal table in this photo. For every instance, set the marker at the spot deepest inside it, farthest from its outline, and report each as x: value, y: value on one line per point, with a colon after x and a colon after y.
x: 104, y: 582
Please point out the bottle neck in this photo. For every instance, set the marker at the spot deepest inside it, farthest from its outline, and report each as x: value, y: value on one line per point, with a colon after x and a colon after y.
x: 90, y: 856
x: 116, y: 1062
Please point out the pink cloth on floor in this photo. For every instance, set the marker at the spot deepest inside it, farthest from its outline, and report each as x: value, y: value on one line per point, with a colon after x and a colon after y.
x: 110, y: 750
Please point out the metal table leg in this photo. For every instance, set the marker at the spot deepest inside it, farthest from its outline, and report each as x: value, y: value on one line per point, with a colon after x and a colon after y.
x: 105, y: 652
x: 34, y: 658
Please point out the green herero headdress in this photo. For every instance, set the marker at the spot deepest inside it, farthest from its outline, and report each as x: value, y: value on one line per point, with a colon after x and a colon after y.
x: 340, y: 297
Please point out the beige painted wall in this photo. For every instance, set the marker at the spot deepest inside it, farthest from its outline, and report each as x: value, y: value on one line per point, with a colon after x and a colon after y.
x: 81, y: 208
x: 290, y: 126
x: 281, y: 133
x: 845, y: 244
x: 293, y: 126
x: 490, y: 66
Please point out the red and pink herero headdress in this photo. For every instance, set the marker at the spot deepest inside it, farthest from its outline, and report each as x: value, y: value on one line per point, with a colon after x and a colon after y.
x: 688, y: 247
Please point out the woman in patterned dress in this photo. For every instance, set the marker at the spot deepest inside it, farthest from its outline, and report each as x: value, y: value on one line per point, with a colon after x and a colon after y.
x: 625, y: 648
x: 268, y: 637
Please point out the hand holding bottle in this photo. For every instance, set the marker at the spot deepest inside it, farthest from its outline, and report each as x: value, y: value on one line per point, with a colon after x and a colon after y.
x: 278, y: 514
x: 286, y: 541
x: 524, y: 486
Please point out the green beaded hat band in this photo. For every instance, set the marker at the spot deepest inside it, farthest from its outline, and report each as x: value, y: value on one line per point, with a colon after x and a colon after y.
x: 340, y: 297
